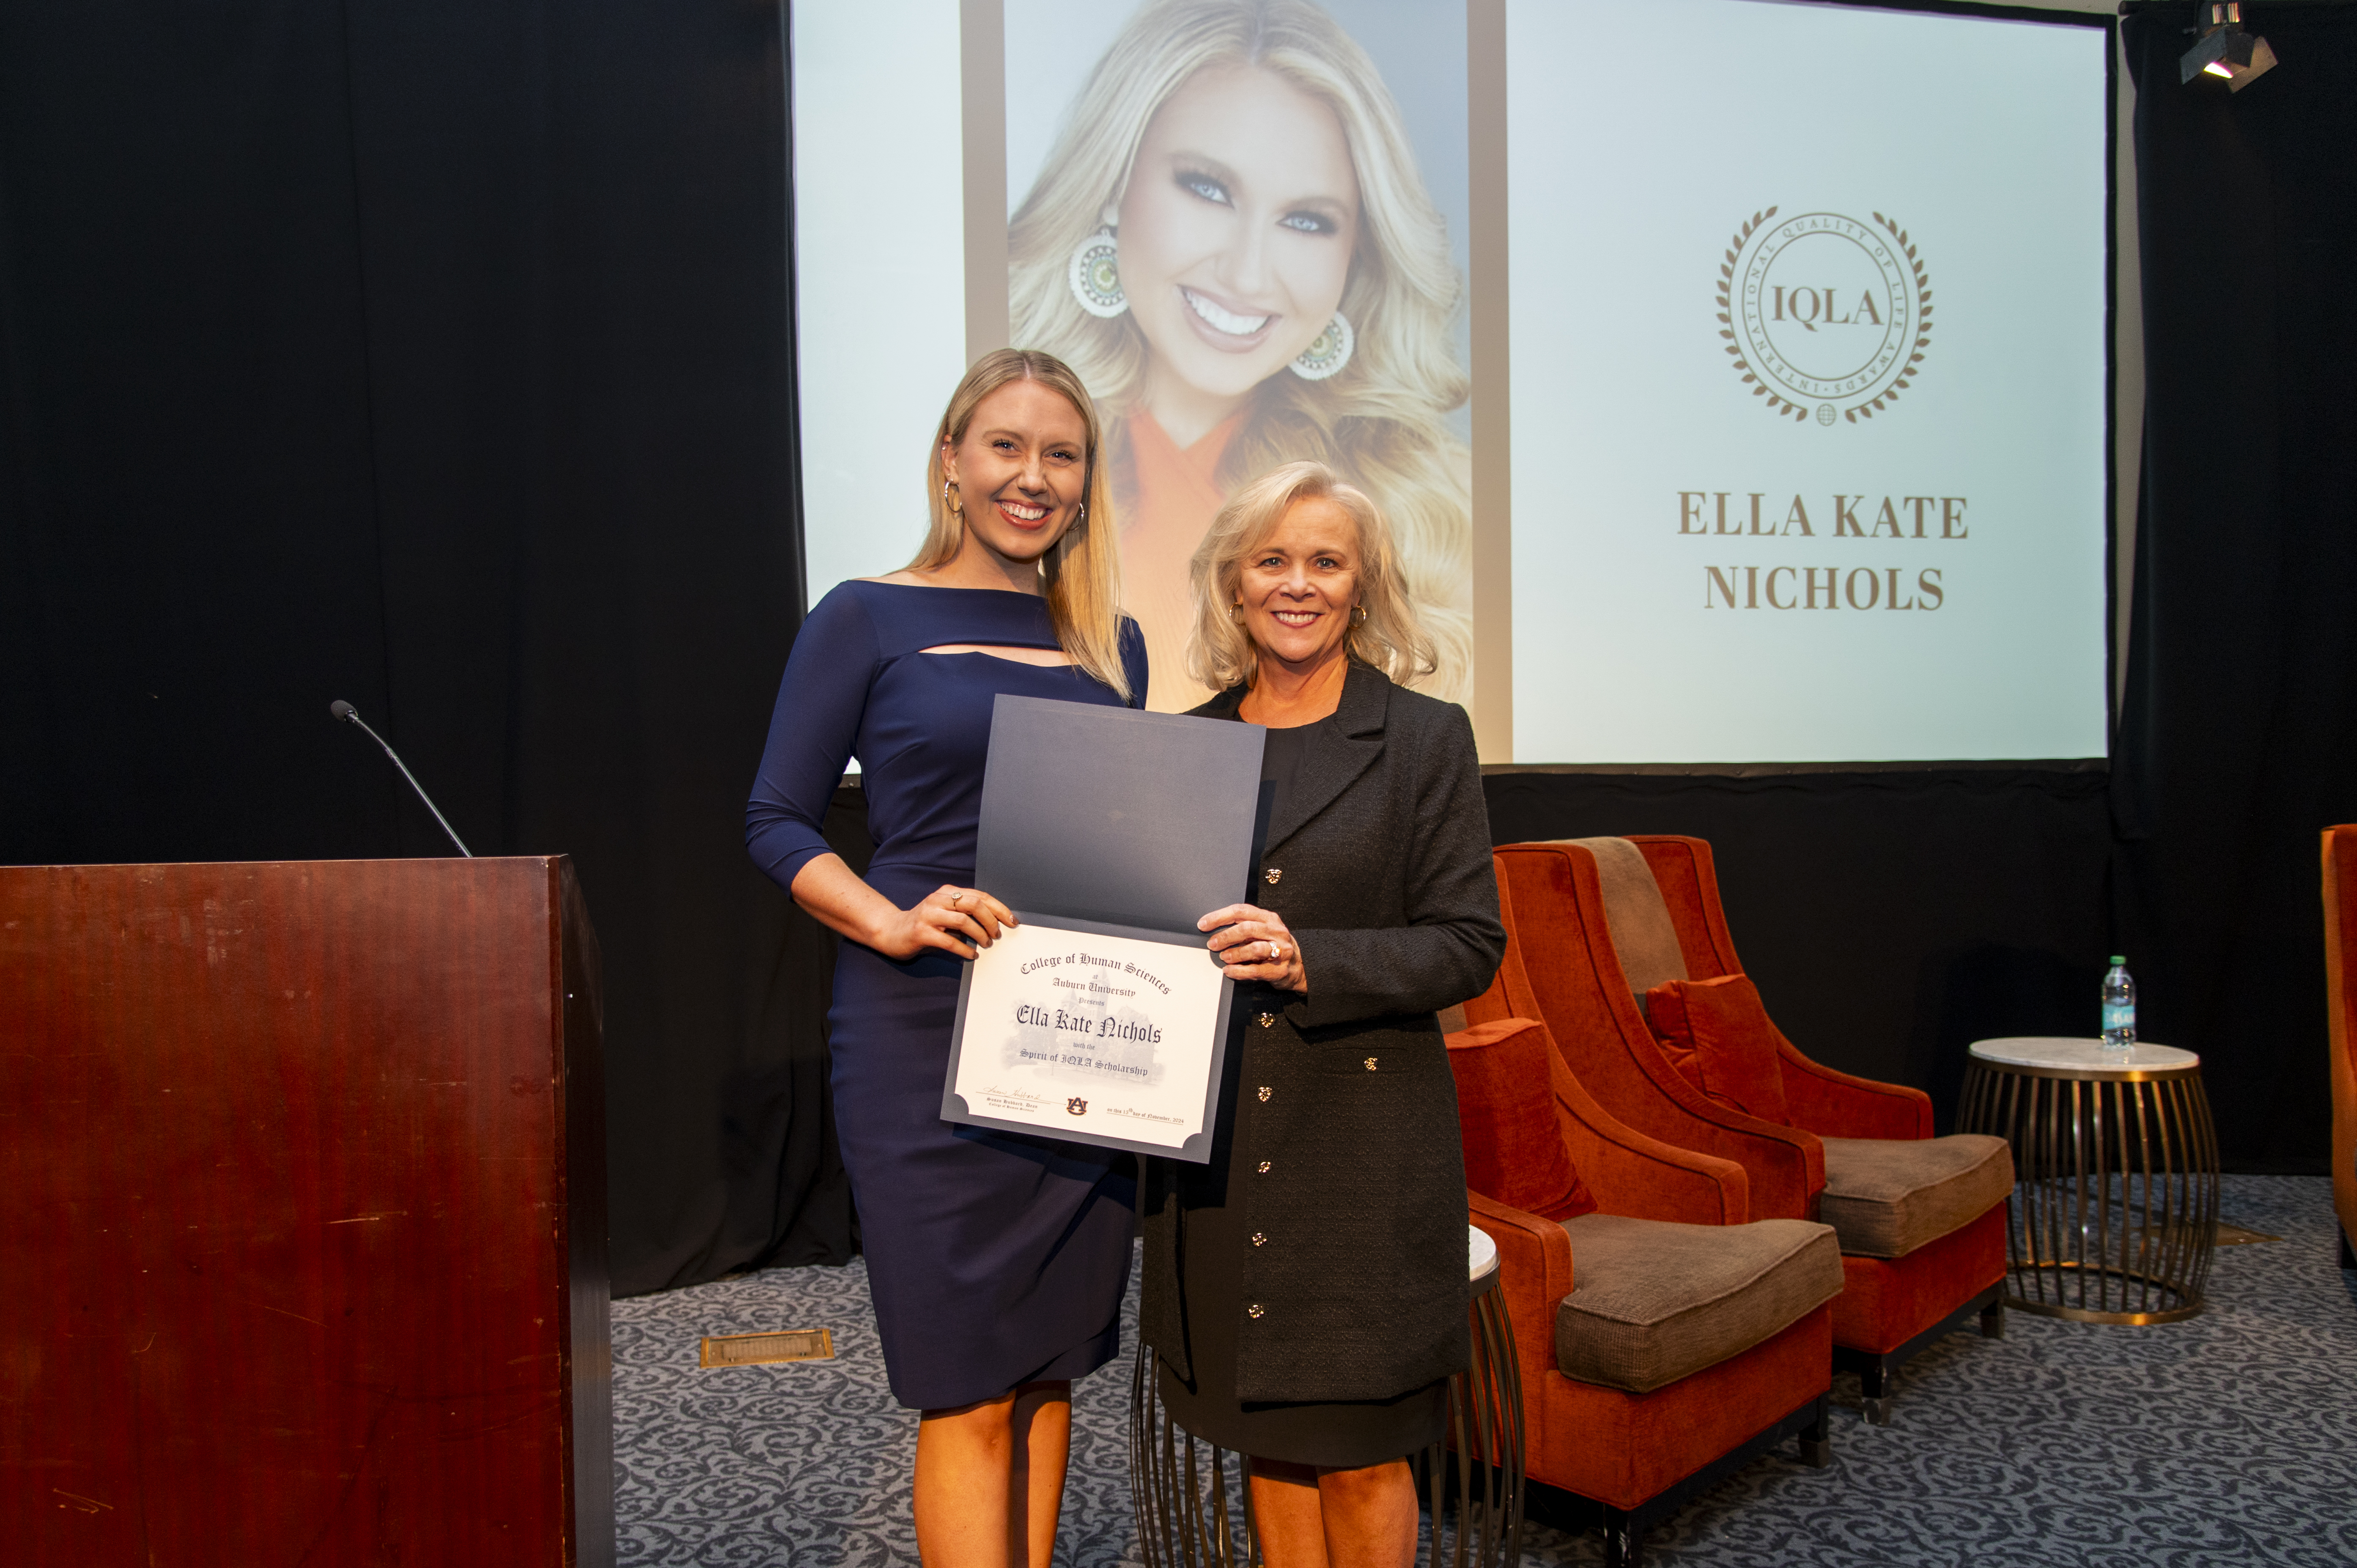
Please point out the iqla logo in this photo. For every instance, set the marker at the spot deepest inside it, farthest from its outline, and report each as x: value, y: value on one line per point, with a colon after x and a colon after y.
x: 1824, y: 314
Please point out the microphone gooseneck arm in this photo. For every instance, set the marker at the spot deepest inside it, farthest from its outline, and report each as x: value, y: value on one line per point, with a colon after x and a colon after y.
x: 342, y: 710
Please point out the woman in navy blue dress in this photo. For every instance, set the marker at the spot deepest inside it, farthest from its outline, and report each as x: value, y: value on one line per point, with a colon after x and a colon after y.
x: 997, y: 1261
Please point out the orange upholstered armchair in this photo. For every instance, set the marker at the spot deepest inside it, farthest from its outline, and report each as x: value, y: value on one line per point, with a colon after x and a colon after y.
x: 1601, y: 922
x: 1555, y: 973
x: 1664, y: 1340
x: 2340, y: 998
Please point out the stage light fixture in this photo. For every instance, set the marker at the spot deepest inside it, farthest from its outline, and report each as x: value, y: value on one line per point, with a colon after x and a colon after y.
x: 2227, y: 51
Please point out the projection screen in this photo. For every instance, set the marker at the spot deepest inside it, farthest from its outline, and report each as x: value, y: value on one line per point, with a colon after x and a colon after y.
x: 1734, y: 372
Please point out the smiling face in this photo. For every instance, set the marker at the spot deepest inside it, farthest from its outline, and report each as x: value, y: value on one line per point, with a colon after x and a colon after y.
x: 1021, y: 470
x: 1236, y: 231
x: 1298, y: 586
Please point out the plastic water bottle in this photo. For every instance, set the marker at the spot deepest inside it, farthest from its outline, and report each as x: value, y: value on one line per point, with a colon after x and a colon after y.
x: 2119, y: 1007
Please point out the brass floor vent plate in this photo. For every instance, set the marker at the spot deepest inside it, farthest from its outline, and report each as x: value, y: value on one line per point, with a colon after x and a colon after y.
x: 757, y: 1349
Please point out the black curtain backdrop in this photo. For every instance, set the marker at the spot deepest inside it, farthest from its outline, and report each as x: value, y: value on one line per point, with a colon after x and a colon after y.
x: 2238, y: 743
x: 436, y: 356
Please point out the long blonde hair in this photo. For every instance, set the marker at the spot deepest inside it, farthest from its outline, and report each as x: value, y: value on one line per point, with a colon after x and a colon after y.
x: 1220, y: 654
x: 1082, y: 570
x: 1381, y: 420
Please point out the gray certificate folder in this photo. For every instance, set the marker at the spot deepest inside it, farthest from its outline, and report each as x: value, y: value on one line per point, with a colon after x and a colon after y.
x: 1121, y: 823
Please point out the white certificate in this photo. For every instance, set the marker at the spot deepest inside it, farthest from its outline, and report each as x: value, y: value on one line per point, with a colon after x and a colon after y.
x: 1092, y: 1032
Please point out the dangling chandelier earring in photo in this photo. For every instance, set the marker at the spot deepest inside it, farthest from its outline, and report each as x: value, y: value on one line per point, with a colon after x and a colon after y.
x: 1327, y: 352
x: 1095, y: 271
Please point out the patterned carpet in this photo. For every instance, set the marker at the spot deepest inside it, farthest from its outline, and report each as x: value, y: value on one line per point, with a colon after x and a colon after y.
x: 2228, y: 1440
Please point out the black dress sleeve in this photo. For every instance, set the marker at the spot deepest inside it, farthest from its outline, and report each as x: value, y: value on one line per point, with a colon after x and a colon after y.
x: 812, y: 732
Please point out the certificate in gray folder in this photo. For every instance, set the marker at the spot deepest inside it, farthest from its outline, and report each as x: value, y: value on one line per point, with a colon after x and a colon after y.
x: 1101, y: 1018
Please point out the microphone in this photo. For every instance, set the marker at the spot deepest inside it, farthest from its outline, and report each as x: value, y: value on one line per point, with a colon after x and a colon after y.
x: 341, y: 709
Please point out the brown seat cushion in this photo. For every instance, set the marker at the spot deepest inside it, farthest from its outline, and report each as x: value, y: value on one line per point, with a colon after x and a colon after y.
x: 1885, y: 1197
x: 1652, y: 1302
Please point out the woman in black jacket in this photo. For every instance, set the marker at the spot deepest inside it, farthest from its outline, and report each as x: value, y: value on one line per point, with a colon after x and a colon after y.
x: 1305, y: 1291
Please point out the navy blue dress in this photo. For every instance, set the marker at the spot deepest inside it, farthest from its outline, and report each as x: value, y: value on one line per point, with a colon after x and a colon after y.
x: 995, y: 1258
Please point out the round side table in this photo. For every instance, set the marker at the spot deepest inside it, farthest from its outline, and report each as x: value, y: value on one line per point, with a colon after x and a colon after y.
x: 1480, y: 1462
x: 2114, y: 1206
x: 1194, y: 1502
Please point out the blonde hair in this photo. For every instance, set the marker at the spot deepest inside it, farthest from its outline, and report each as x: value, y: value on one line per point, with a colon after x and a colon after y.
x: 1082, y: 570
x: 1220, y: 654
x: 1380, y: 420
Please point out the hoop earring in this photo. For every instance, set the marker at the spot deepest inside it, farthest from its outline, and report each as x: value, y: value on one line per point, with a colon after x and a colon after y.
x: 1358, y: 617
x: 1327, y: 352
x: 956, y: 506
x: 1094, y: 276
x: 1236, y: 612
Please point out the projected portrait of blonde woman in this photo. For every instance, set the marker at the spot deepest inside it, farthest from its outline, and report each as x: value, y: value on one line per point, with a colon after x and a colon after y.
x: 1231, y: 239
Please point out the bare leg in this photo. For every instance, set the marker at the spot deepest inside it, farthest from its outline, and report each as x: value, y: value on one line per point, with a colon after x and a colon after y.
x: 990, y: 1479
x: 1287, y: 1514
x: 963, y: 1459
x: 1042, y: 1433
x: 1310, y: 1517
x: 1370, y: 1515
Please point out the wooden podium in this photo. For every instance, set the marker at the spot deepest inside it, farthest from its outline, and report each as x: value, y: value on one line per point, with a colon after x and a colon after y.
x: 303, y: 1233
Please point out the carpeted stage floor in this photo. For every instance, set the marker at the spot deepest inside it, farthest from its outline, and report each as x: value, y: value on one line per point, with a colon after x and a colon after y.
x: 2228, y: 1440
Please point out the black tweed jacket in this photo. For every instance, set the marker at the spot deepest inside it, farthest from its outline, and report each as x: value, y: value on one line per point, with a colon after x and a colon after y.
x: 1347, y: 1128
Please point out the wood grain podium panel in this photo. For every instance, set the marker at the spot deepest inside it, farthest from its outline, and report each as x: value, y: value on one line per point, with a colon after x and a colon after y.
x: 303, y: 1246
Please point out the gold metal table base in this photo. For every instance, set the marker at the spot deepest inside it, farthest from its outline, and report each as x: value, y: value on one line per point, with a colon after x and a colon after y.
x: 1194, y: 1503
x: 2115, y: 1209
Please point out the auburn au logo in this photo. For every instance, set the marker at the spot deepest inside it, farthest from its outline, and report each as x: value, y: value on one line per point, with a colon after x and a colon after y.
x: 1077, y: 1106
x: 1824, y: 314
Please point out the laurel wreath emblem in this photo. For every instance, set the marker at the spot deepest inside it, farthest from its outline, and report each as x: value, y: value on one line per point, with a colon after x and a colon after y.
x: 1776, y: 405
x: 1923, y: 322
x: 1777, y: 402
